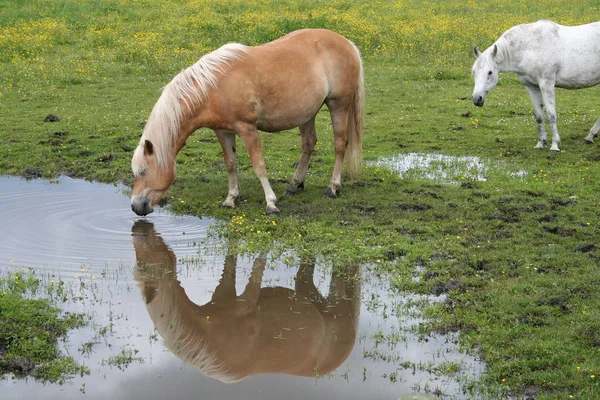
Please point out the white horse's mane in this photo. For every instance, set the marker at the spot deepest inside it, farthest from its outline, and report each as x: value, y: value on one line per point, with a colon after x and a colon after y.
x: 162, y: 127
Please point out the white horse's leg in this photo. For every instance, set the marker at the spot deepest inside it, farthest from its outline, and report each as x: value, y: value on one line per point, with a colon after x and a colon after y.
x: 547, y: 88
x: 249, y: 135
x: 593, y: 132
x: 538, y: 111
x: 309, y: 139
x: 227, y: 140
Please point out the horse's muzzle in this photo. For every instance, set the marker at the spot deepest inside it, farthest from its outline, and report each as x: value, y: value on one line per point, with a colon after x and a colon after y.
x: 478, y: 100
x: 141, y: 205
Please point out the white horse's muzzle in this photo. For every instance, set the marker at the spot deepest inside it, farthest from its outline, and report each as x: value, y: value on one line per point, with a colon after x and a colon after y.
x: 478, y: 100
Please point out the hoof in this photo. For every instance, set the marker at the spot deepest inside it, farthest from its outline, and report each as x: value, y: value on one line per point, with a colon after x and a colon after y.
x: 588, y: 141
x: 555, y: 149
x: 293, y: 190
x: 329, y: 194
x: 273, y: 211
x: 227, y: 205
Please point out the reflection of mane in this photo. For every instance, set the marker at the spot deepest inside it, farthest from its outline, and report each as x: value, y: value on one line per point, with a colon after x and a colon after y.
x: 154, y: 274
x: 263, y: 330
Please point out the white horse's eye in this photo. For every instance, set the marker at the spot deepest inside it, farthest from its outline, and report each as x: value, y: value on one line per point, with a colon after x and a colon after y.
x: 489, y: 73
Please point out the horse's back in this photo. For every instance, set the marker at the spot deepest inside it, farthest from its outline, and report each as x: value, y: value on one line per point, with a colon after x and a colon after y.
x: 319, y: 51
x: 548, y: 36
x: 310, y: 39
x: 288, y: 80
x: 569, y: 53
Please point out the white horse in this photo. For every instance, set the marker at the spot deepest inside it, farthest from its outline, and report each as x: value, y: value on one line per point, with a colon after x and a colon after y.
x: 544, y: 55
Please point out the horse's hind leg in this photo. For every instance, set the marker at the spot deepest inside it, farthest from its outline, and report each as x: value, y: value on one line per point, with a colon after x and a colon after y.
x: 339, y: 120
x: 593, y: 132
x: 227, y: 141
x: 309, y: 139
x: 537, y: 101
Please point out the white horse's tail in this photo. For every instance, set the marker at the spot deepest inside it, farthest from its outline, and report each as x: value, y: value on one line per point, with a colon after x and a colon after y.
x: 356, y: 124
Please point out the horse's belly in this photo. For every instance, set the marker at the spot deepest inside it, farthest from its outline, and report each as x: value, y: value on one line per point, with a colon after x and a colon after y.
x: 577, y: 81
x: 580, y: 72
x: 283, y: 122
x: 275, y: 119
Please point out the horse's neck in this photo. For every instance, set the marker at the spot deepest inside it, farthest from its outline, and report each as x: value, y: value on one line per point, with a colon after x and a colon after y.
x: 509, y: 54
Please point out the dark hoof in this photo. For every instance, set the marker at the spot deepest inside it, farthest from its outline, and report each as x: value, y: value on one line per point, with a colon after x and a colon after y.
x: 294, y: 190
x: 586, y: 141
x: 274, y: 211
x: 329, y: 194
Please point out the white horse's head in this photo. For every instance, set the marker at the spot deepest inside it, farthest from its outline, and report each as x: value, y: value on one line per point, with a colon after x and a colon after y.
x: 485, y: 73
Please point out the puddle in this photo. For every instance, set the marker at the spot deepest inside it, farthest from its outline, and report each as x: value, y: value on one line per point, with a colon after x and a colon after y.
x: 202, y: 323
x: 440, y: 167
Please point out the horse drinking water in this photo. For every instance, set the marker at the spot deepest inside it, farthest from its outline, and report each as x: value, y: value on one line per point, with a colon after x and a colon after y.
x: 238, y: 90
x: 544, y: 55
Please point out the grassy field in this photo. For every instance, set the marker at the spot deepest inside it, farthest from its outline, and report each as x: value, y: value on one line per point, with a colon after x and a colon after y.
x: 517, y: 254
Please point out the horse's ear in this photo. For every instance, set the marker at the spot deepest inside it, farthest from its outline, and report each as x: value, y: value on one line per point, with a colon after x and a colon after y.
x: 148, y: 148
x: 476, y: 52
x: 495, y: 51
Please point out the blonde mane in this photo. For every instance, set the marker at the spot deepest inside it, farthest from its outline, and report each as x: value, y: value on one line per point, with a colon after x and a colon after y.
x: 162, y: 127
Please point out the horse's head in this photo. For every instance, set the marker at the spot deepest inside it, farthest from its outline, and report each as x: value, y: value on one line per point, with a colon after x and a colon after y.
x: 485, y: 73
x: 152, y: 178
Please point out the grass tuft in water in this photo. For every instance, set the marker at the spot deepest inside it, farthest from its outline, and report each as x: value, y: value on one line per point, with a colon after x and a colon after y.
x: 31, y: 330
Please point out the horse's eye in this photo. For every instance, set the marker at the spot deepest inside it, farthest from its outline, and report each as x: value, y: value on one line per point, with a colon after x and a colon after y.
x: 489, y: 73
x: 142, y: 172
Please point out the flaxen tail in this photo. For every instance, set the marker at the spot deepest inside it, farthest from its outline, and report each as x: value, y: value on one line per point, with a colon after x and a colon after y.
x: 356, y: 124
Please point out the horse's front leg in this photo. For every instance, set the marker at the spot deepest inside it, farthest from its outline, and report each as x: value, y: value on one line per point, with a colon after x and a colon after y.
x: 547, y: 89
x: 593, y: 132
x: 227, y: 140
x: 249, y: 135
x: 225, y: 292
x: 538, y: 104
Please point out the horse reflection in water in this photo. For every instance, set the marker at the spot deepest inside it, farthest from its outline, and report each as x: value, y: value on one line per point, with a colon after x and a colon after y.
x: 263, y: 330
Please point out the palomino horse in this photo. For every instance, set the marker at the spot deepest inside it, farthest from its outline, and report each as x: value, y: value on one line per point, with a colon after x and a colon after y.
x: 238, y: 90
x: 544, y: 55
x: 263, y: 330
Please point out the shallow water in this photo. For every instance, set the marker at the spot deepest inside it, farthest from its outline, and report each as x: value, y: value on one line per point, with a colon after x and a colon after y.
x: 441, y: 167
x: 160, y: 288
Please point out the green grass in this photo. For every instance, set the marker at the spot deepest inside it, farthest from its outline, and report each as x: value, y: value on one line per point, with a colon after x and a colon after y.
x: 506, y: 251
x: 31, y: 330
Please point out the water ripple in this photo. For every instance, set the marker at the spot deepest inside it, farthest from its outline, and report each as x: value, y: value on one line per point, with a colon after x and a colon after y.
x: 73, y: 224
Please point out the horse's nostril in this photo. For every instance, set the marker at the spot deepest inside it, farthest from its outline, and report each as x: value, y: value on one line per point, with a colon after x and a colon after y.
x: 141, y: 207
